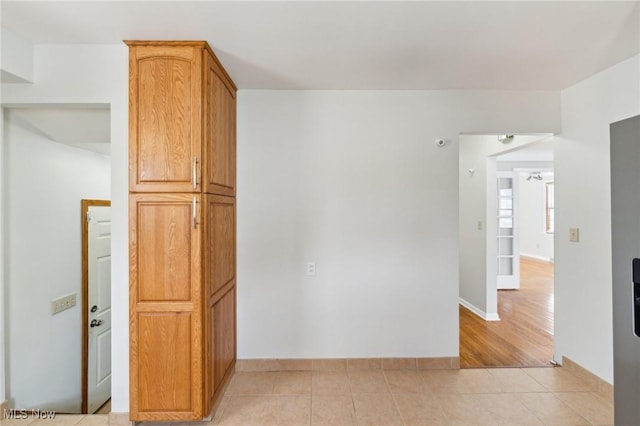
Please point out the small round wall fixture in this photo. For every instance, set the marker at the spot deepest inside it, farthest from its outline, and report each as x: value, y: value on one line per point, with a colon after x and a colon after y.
x: 506, y: 138
x: 440, y: 143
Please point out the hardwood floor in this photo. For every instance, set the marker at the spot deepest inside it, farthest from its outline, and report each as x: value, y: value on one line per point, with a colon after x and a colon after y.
x: 524, y: 335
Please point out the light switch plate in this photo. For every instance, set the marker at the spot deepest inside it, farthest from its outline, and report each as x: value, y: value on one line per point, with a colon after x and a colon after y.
x: 574, y: 235
x: 62, y: 303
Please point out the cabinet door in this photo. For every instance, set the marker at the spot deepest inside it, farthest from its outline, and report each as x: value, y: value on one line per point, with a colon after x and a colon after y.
x: 224, y: 335
x: 220, y: 243
x: 219, y: 130
x: 165, y: 307
x: 220, y: 280
x: 165, y: 134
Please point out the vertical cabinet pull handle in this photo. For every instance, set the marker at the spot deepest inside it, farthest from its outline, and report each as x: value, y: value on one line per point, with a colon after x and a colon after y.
x: 195, y: 173
x: 195, y: 214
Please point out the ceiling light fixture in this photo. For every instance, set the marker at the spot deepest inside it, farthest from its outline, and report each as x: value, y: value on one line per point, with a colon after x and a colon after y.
x: 506, y: 138
x: 534, y: 175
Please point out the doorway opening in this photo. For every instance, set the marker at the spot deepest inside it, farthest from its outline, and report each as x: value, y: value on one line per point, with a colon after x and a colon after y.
x: 96, y: 305
x: 53, y: 156
x: 506, y: 251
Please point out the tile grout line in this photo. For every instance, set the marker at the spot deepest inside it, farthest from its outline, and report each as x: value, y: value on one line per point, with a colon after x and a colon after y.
x: 553, y: 394
x: 430, y: 394
x: 538, y: 381
x: 569, y: 407
x: 353, y: 402
x: 393, y: 398
x: 310, y: 406
x: 440, y: 405
x: 519, y: 394
x: 310, y: 398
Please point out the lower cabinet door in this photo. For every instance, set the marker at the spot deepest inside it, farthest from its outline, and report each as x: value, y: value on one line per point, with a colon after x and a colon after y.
x: 219, y: 271
x: 165, y: 307
x: 164, y: 362
x: 221, y: 347
x: 224, y: 336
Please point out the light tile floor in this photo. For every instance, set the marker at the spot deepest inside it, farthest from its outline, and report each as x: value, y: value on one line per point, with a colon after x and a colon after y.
x: 510, y: 397
x: 105, y: 409
x: 61, y: 420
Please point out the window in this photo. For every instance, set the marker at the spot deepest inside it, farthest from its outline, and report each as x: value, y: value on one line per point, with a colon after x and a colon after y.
x: 549, y: 207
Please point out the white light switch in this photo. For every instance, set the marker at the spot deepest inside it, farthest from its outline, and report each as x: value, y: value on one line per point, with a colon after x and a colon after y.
x: 574, y: 235
x: 479, y: 226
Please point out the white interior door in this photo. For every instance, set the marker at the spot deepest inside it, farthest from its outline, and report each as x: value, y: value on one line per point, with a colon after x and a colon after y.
x: 508, y: 233
x: 99, y: 285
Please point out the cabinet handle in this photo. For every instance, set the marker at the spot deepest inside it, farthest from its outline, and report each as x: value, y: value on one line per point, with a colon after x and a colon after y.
x: 195, y: 214
x: 195, y: 173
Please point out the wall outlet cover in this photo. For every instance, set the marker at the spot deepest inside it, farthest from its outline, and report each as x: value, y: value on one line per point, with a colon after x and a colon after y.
x: 63, y: 303
x: 574, y: 235
x: 311, y: 269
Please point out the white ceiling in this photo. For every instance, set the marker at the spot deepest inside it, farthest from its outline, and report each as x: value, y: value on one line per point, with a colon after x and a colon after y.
x: 536, y: 151
x: 546, y: 45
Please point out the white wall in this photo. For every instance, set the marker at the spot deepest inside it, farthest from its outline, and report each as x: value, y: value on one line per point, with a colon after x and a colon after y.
x: 534, y: 240
x: 88, y: 74
x: 16, y: 58
x: 353, y: 181
x: 2, y: 267
x: 45, y: 183
x: 583, y: 319
x: 478, y: 272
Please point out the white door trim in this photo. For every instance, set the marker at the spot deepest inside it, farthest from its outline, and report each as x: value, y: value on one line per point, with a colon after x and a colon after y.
x: 85, y: 296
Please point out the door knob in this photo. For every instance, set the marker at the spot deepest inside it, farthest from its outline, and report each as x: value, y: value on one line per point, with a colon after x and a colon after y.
x: 94, y: 308
x: 96, y: 323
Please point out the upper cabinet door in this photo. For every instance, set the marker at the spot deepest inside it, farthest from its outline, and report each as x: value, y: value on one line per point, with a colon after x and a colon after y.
x: 165, y: 134
x: 219, y: 129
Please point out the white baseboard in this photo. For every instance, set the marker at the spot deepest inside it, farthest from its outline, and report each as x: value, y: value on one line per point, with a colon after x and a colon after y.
x: 536, y: 257
x: 479, y: 312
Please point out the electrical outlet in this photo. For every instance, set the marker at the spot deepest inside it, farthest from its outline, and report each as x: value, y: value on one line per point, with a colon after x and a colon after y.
x: 311, y: 269
x: 62, y: 303
x: 574, y: 235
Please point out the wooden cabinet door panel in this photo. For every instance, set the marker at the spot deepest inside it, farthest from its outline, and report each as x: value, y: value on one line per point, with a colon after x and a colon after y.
x: 219, y: 272
x: 165, y: 306
x: 220, y: 246
x: 209, y: 370
x: 219, y: 131
x: 165, y: 246
x: 224, y: 335
x: 164, y: 131
x: 164, y: 362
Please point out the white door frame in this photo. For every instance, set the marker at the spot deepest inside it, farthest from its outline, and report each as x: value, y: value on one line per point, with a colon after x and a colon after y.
x: 492, y: 228
x: 85, y: 298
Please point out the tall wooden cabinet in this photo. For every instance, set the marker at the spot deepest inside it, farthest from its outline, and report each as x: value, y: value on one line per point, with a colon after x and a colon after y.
x: 182, y: 221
